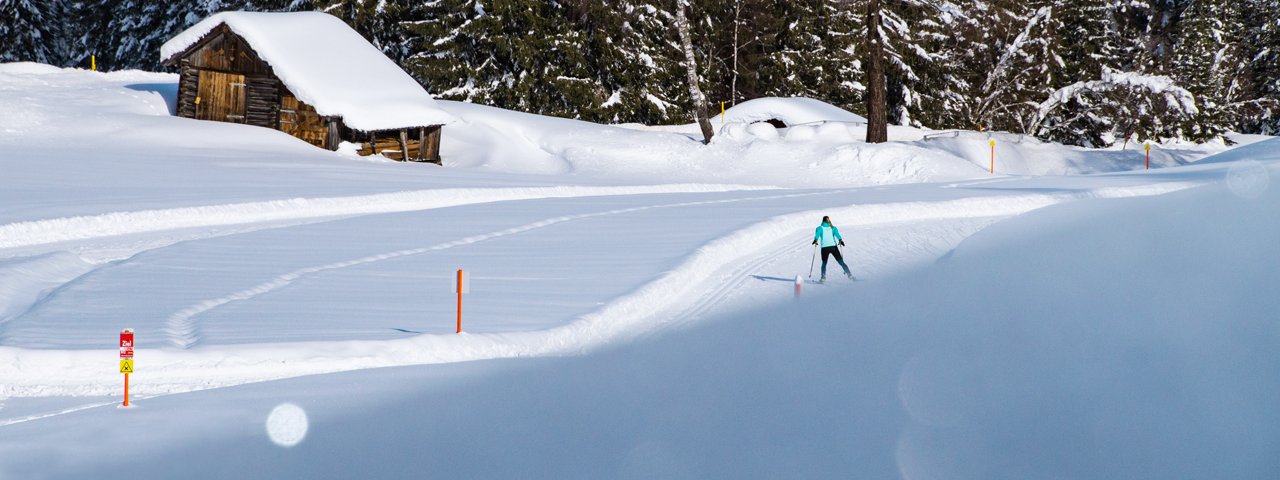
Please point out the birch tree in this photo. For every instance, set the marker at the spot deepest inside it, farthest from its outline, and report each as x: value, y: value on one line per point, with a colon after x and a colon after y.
x: 691, y: 67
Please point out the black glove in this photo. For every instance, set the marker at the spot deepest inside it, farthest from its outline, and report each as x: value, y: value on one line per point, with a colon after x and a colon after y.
x: 815, y: 242
x: 842, y: 243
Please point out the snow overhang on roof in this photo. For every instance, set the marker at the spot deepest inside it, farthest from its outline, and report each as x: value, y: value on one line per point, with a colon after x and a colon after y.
x: 327, y: 65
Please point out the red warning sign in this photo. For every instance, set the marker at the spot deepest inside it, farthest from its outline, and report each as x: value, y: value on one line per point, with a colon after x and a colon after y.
x: 126, y: 343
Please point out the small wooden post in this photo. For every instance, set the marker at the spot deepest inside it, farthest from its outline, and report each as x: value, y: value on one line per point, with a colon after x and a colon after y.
x: 433, y: 147
x: 422, y: 144
x: 335, y: 136
x: 404, y: 144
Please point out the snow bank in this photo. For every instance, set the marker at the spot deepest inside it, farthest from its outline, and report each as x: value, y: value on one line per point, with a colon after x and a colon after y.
x: 327, y: 65
x: 824, y: 155
x: 791, y: 111
x: 1017, y: 154
x: 54, y: 230
x: 28, y: 68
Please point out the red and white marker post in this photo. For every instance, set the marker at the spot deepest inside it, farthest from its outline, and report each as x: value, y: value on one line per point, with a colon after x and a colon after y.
x: 463, y: 286
x: 126, y: 359
x: 799, y: 282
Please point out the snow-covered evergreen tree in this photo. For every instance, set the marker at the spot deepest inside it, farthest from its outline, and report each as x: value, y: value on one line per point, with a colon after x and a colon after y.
x: 1212, y: 63
x: 1262, y: 113
x: 33, y: 31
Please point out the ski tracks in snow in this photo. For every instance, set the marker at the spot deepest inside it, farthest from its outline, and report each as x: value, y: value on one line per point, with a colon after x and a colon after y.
x: 697, y: 286
x: 183, y: 328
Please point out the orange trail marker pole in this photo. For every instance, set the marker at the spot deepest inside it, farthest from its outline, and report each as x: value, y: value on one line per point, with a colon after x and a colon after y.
x: 126, y: 359
x: 459, y: 301
x: 1147, y: 147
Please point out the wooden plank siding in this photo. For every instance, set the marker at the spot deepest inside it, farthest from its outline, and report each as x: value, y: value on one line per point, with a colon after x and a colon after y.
x: 262, y: 101
x: 301, y: 120
x: 224, y: 51
x: 220, y: 97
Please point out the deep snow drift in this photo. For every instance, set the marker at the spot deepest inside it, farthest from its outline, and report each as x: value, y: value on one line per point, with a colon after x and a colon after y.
x: 631, y: 301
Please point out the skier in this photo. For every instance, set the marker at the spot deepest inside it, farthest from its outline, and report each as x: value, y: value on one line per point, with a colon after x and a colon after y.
x: 828, y: 236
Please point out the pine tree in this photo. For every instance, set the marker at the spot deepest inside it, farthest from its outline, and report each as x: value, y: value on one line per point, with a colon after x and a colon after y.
x: 1262, y: 115
x: 128, y: 34
x: 1005, y: 64
x: 1211, y: 63
x: 33, y: 31
x: 381, y: 22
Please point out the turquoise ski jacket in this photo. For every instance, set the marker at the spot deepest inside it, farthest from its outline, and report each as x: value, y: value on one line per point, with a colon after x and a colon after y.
x: 827, y: 235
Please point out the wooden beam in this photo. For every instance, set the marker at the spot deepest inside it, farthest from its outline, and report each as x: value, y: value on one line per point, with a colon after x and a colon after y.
x: 421, y: 145
x: 335, y: 135
x: 404, y: 144
x: 433, y: 145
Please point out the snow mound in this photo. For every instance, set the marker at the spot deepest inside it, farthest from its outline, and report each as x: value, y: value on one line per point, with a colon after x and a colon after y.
x: 791, y: 111
x: 327, y: 65
x: 746, y: 154
x: 21, y: 68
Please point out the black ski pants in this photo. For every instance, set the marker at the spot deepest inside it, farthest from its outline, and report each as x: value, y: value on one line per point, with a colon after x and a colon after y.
x: 833, y: 251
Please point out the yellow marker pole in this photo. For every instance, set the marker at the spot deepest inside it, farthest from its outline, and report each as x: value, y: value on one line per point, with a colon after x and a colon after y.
x: 993, y: 156
x: 722, y: 113
x: 93, y: 62
x: 1148, y: 148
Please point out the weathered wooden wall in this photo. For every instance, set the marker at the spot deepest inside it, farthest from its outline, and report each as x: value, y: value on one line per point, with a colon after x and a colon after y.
x: 220, y: 96
x: 224, y: 51
x: 262, y: 101
x: 301, y: 120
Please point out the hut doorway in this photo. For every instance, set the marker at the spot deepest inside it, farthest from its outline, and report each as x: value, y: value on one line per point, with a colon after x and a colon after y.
x: 220, y: 97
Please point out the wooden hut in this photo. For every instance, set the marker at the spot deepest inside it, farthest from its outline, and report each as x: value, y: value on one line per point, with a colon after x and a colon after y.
x: 306, y: 74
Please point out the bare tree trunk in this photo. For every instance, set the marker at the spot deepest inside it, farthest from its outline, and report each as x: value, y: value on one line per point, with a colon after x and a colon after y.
x: 877, y: 121
x: 691, y: 65
x: 733, y: 86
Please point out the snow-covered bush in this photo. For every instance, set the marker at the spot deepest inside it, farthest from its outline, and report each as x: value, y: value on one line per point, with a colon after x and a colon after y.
x: 1117, y: 107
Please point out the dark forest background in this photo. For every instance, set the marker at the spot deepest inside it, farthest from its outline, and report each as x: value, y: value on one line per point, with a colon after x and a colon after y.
x: 1085, y: 72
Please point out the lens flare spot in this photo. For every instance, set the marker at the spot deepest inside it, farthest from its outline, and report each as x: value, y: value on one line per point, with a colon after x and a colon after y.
x: 287, y: 425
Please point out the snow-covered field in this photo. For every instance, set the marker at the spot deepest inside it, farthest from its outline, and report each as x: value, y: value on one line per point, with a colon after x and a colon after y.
x: 1072, y: 316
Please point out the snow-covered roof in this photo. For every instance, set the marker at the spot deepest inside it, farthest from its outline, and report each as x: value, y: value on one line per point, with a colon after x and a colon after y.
x: 327, y: 65
x: 792, y: 111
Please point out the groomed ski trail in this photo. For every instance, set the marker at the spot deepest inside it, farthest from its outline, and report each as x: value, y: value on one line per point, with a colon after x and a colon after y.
x: 672, y: 298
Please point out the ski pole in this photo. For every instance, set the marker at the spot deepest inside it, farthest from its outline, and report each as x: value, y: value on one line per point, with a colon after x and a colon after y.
x: 812, y: 259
